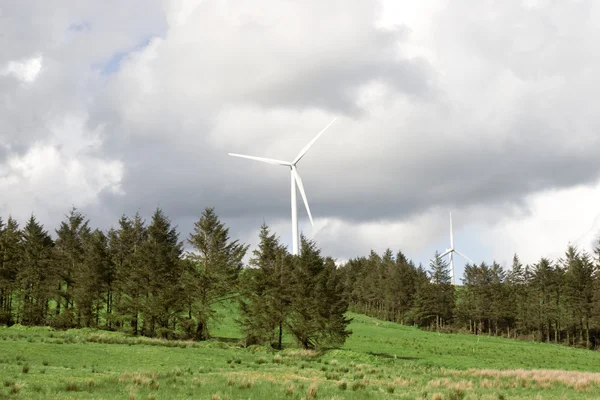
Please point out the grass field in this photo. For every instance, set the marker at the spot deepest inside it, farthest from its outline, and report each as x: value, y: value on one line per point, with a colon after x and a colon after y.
x: 381, y: 360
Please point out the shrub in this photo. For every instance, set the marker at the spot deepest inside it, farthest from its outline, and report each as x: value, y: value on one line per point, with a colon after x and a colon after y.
x: 16, y: 387
x: 71, y: 387
x: 456, y: 394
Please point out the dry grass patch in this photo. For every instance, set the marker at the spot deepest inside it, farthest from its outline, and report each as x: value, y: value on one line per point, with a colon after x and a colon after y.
x: 303, y: 375
x: 300, y: 353
x: 290, y: 389
x: 404, y: 382
x: 145, y: 379
x: 580, y: 381
x: 312, y: 391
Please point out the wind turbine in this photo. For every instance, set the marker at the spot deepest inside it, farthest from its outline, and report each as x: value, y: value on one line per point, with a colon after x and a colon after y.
x: 452, y: 250
x: 295, y: 181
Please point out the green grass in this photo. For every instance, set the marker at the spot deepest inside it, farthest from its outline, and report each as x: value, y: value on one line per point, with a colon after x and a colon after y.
x: 380, y: 360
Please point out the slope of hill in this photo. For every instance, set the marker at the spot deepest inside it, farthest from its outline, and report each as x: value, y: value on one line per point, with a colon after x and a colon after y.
x: 380, y: 360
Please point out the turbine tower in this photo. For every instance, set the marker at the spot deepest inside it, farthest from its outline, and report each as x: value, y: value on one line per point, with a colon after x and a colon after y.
x: 295, y: 181
x: 452, y: 250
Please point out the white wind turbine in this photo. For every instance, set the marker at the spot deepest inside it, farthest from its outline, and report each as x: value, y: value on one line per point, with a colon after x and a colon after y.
x: 452, y: 250
x: 296, y: 181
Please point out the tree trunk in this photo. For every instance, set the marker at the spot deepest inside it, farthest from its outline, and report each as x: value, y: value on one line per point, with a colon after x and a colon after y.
x: 587, y: 334
x: 279, y: 344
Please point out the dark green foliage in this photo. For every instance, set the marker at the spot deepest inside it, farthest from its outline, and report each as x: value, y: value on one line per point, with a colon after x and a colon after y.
x: 265, y: 292
x: 128, y: 290
x: 211, y: 272
x: 10, y: 250
x: 136, y: 278
x: 547, y: 301
x: 434, y: 302
x: 318, y: 306
x: 162, y: 271
x: 36, y: 276
x: 72, y: 235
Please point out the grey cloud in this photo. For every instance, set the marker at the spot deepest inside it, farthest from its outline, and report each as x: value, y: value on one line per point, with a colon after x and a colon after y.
x: 499, y: 112
x: 334, y: 88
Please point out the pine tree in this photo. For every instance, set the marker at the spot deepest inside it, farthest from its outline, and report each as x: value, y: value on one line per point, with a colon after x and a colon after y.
x: 264, y: 292
x: 93, y: 278
x: 10, y: 252
x: 435, y: 302
x: 37, y: 278
x: 213, y: 269
x: 318, y: 305
x: 517, y: 291
x: 72, y: 234
x: 132, y: 281
x: 163, y: 269
x: 578, y: 277
x: 544, y: 289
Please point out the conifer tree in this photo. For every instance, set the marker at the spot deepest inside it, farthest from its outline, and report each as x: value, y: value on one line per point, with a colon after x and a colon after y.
x: 93, y: 279
x: 579, y: 272
x: 318, y: 306
x: 161, y: 257
x: 517, y: 292
x: 71, y: 236
x: 10, y: 252
x: 37, y: 277
x: 264, y: 292
x: 132, y: 282
x: 213, y: 269
x: 435, y: 302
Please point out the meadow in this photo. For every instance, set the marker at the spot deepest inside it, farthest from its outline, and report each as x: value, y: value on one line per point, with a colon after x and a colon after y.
x: 381, y: 360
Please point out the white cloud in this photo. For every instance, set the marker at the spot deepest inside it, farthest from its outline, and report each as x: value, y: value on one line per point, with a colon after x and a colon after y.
x: 57, y: 173
x: 26, y: 71
x: 556, y: 218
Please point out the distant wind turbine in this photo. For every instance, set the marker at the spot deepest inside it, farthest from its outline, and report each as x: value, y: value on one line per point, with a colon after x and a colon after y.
x: 453, y: 250
x: 296, y: 181
x: 589, y: 238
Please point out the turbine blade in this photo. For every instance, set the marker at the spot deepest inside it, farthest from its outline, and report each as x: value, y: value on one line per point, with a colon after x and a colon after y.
x: 451, y: 234
x: 302, y: 193
x: 446, y: 253
x: 262, y: 159
x: 463, y: 256
x: 305, y: 149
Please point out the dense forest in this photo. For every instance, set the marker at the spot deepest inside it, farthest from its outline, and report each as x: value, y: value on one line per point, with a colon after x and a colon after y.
x: 138, y: 278
x: 551, y: 301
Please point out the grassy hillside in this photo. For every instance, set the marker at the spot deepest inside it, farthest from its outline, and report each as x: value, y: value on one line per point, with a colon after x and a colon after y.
x: 380, y: 360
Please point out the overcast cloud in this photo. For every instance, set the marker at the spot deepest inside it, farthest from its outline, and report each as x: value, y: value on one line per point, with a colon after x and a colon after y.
x: 485, y: 109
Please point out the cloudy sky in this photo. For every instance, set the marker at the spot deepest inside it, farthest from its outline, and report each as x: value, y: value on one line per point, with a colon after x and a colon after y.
x: 486, y: 109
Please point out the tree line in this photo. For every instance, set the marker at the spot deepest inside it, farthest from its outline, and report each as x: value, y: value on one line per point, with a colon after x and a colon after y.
x: 137, y: 278
x: 551, y: 300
